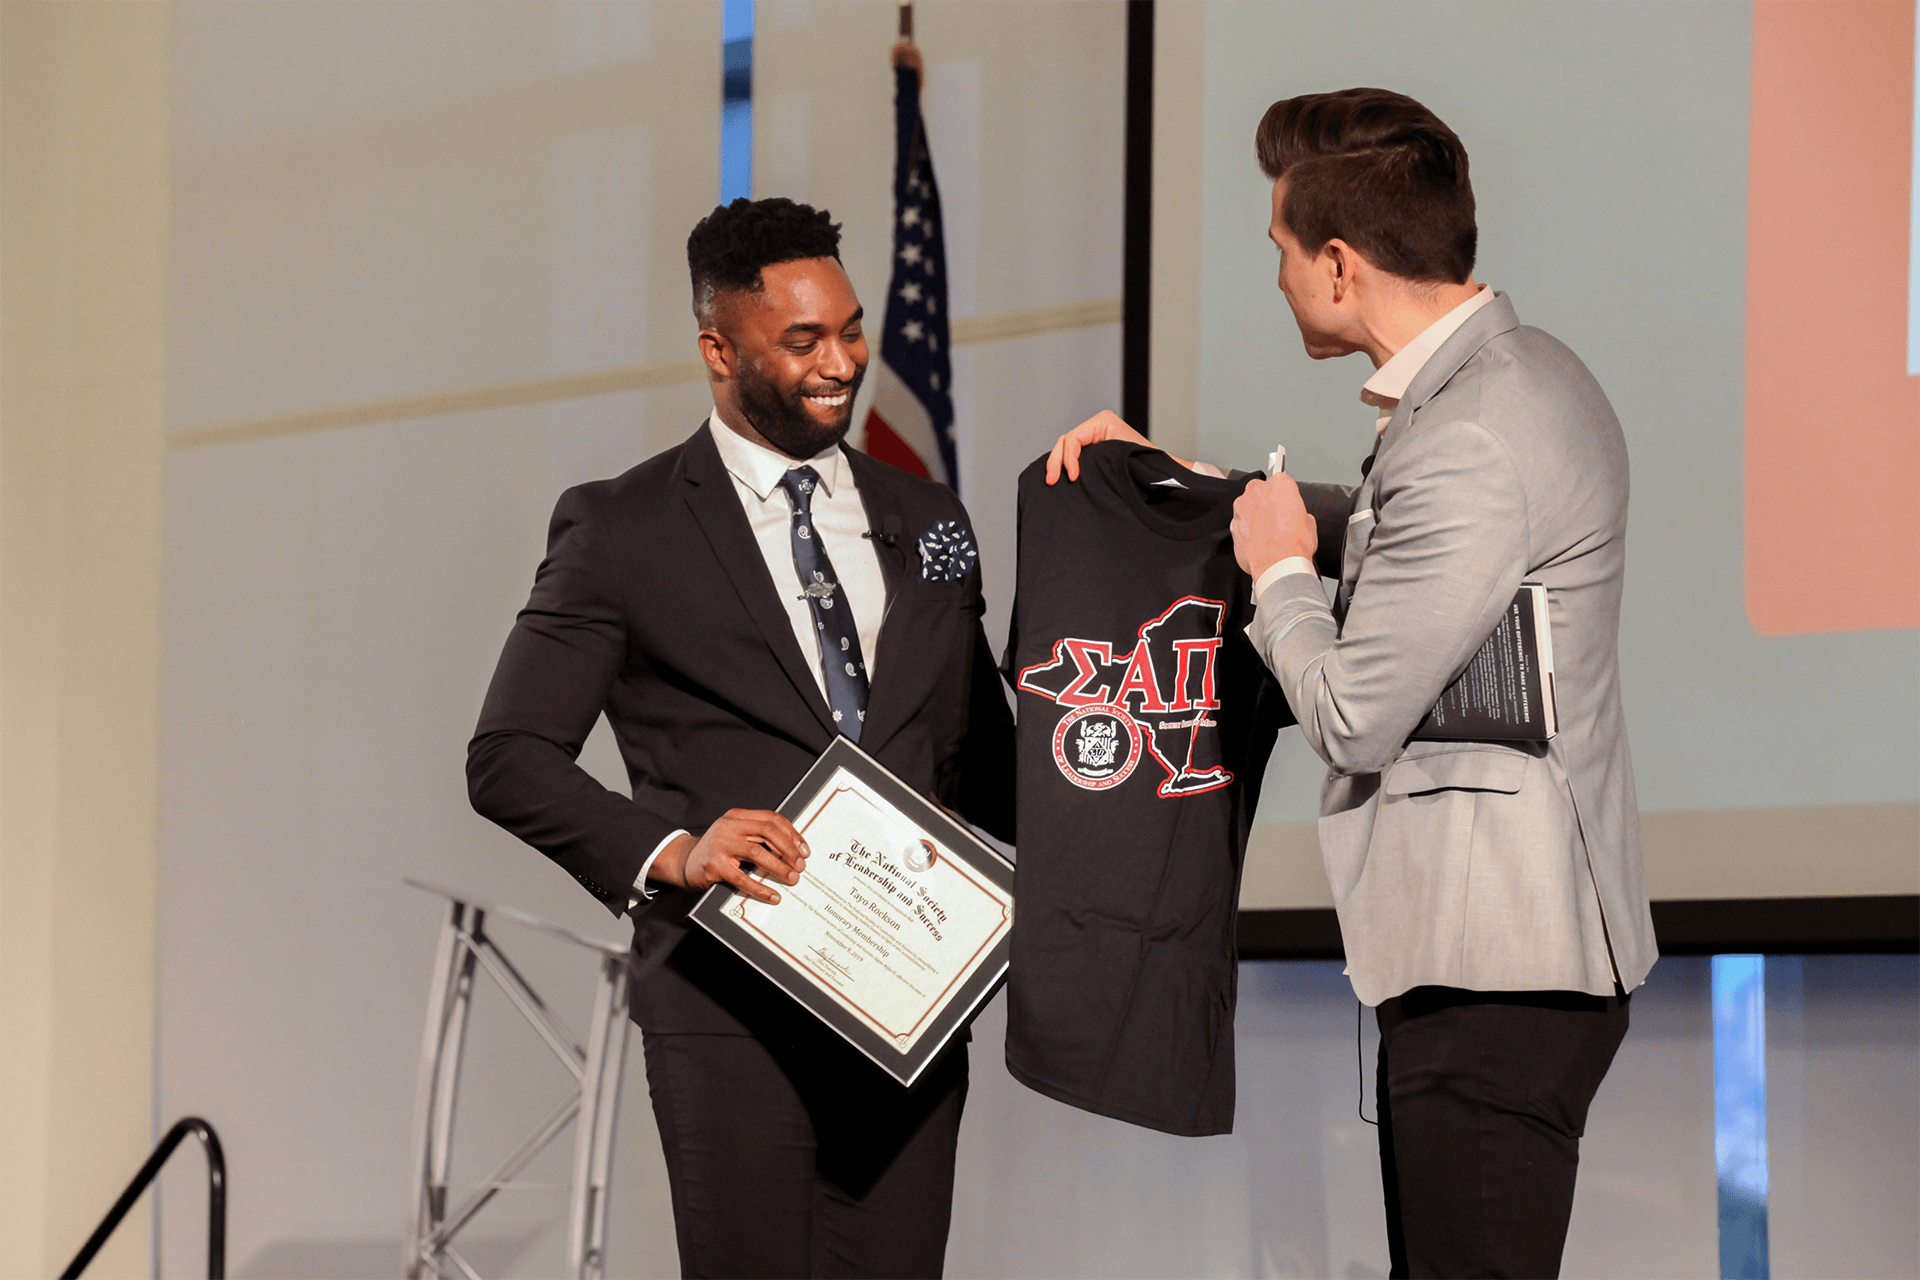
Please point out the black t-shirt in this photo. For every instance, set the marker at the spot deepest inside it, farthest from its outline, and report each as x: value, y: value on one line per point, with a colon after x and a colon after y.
x: 1146, y: 719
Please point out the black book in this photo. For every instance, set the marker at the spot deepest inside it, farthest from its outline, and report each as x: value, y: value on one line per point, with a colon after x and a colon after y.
x: 1506, y: 692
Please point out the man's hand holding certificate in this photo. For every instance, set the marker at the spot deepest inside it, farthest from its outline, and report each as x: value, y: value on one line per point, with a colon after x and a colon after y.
x: 898, y: 929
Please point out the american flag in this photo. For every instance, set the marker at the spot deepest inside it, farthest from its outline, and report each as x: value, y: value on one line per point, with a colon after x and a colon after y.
x: 911, y: 422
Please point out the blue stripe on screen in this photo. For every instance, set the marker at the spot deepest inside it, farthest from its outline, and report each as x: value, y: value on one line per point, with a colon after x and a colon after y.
x: 736, y: 20
x: 1740, y: 1113
x: 736, y: 100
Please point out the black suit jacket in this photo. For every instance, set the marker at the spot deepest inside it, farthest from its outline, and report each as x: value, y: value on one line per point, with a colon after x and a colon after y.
x: 655, y: 605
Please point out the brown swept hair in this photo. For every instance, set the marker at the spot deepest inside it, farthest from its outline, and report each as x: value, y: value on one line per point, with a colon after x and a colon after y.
x: 1375, y: 169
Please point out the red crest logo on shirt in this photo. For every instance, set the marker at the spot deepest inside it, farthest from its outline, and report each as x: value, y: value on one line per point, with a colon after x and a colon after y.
x: 1157, y: 695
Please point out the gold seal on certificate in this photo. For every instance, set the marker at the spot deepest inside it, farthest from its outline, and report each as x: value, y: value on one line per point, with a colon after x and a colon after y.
x: 897, y: 932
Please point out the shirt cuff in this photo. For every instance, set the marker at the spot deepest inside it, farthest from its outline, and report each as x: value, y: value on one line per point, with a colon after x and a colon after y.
x: 1208, y: 469
x: 1280, y: 569
x: 640, y: 891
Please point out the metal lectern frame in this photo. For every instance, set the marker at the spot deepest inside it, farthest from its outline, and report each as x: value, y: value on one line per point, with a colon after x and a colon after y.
x: 595, y: 1103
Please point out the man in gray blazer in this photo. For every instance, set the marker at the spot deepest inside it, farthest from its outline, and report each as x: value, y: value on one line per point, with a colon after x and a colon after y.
x: 1490, y: 895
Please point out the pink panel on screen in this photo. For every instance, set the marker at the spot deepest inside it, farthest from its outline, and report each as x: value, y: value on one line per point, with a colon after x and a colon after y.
x: 1833, y: 417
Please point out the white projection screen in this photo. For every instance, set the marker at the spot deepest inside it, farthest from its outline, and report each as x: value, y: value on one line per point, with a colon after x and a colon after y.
x: 1771, y: 663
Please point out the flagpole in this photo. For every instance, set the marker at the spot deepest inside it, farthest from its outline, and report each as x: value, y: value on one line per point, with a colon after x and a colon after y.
x: 905, y: 52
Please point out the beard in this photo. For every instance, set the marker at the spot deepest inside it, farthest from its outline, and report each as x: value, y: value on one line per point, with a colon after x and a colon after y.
x: 783, y: 419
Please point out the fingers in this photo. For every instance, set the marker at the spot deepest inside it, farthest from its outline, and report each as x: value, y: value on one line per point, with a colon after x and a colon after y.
x: 1270, y: 494
x: 735, y: 874
x: 1065, y: 454
x: 743, y: 838
x: 767, y: 840
x: 1237, y: 530
x: 1271, y: 524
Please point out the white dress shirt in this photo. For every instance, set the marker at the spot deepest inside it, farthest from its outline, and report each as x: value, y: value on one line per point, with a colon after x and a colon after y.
x: 1391, y: 380
x: 839, y: 522
x: 1383, y: 391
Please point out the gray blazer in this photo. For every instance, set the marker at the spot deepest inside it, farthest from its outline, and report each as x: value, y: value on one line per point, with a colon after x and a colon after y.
x: 1488, y: 867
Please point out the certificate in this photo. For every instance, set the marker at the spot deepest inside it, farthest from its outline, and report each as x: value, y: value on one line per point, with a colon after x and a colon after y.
x: 898, y: 930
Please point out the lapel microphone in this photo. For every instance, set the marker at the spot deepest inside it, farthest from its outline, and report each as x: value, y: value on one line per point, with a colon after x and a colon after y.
x: 888, y: 535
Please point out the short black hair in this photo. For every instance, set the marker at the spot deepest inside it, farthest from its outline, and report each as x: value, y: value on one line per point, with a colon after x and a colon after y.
x: 1378, y: 170
x: 729, y: 246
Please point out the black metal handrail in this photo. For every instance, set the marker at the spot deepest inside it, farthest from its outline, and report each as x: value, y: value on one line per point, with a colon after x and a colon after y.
x: 216, y: 1199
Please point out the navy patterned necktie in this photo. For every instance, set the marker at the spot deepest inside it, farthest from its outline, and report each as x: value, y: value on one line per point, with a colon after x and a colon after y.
x: 833, y: 624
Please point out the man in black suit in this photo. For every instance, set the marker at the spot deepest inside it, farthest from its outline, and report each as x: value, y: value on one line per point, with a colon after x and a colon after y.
x: 731, y: 604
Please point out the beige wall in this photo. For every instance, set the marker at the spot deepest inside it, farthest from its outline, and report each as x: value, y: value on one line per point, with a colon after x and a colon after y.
x: 83, y: 103
x: 457, y: 220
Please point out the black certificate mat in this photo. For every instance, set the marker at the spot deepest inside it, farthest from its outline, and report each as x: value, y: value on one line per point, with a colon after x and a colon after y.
x: 898, y: 930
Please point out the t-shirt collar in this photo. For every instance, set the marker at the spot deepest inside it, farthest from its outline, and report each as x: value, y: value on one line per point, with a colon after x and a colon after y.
x: 760, y: 468
x: 1391, y: 380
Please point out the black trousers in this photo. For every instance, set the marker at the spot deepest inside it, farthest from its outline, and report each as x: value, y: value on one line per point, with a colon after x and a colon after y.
x: 802, y: 1158
x: 1483, y: 1097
